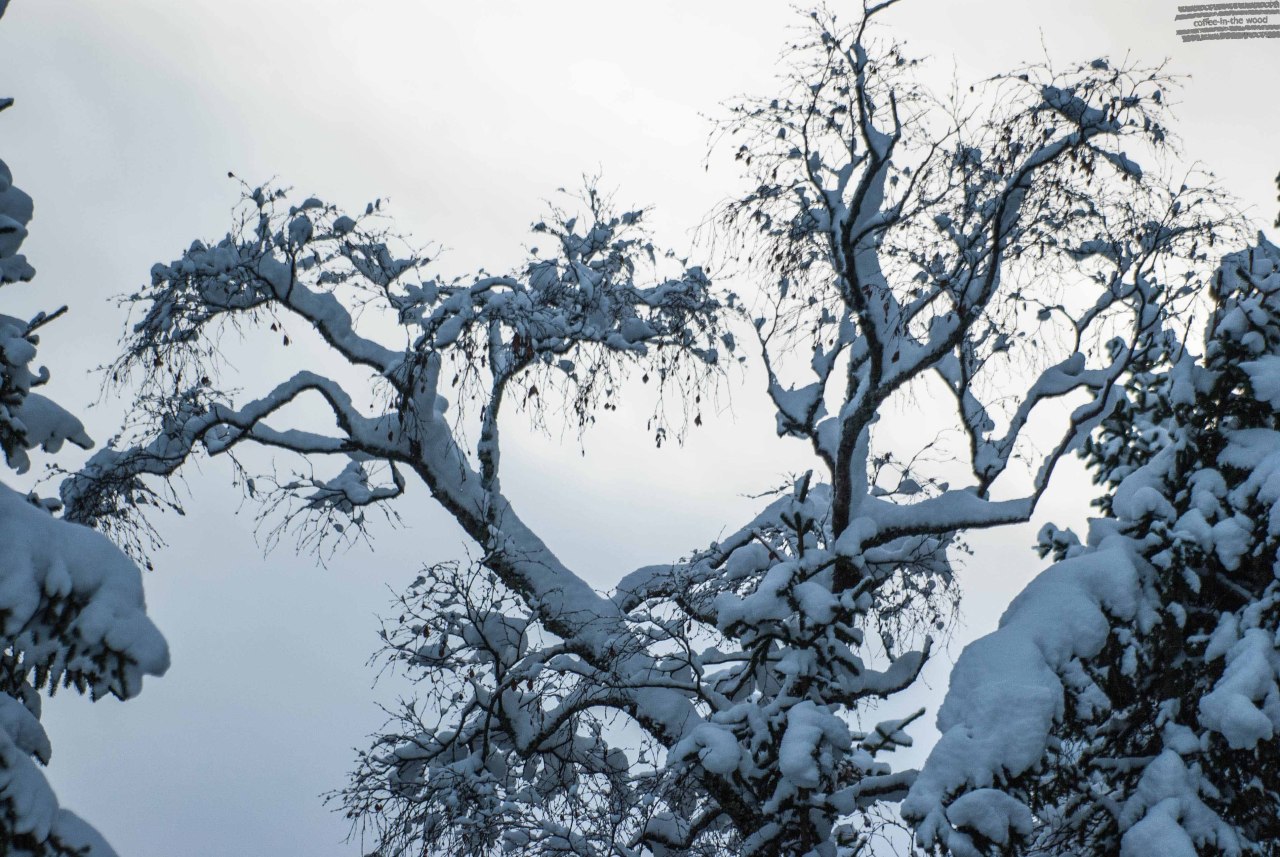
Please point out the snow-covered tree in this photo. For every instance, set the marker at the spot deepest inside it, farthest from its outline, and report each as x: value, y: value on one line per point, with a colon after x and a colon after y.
x: 904, y: 252
x: 71, y: 605
x: 1142, y: 670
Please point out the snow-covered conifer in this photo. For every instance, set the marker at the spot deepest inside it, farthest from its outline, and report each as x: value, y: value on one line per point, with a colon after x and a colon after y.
x: 1143, y: 668
x: 71, y: 605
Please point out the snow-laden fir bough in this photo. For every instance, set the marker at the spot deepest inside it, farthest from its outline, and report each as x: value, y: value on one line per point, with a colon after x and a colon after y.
x: 898, y: 246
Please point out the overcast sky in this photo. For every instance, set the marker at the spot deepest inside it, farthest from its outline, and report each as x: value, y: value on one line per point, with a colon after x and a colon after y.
x: 467, y: 115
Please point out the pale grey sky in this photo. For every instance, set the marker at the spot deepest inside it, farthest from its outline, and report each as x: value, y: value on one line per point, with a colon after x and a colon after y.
x: 467, y: 115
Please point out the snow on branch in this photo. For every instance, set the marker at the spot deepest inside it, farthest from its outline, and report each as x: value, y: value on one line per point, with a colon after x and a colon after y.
x: 567, y: 324
x: 726, y: 701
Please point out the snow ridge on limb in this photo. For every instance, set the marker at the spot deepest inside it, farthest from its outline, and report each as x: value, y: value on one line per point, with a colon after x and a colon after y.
x: 71, y: 604
x: 1145, y: 664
